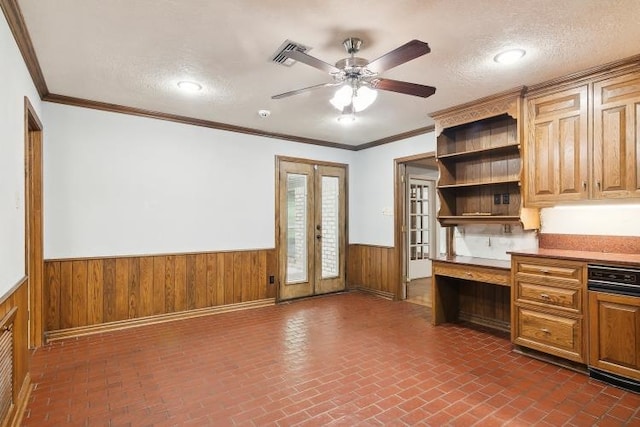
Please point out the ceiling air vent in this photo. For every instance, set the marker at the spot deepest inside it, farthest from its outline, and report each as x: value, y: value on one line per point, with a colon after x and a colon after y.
x: 287, y: 46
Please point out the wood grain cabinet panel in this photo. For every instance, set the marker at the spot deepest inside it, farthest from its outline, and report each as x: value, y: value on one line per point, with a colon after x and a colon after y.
x: 547, y: 332
x: 566, y: 160
x: 556, y: 147
x: 614, y: 334
x: 553, y: 296
x: 547, y: 306
x: 616, y: 137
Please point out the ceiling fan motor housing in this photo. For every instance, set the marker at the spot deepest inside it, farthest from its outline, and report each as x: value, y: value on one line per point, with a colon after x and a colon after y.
x: 352, y: 45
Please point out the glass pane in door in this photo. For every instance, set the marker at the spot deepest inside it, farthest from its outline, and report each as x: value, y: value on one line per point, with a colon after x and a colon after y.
x: 296, y: 228
x: 418, y: 236
x: 330, y: 227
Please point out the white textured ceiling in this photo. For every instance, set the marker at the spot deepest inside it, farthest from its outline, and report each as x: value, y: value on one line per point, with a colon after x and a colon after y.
x: 133, y: 52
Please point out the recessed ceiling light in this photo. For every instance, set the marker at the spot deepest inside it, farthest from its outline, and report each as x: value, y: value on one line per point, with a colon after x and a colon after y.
x: 509, y: 56
x: 264, y: 113
x: 188, y: 86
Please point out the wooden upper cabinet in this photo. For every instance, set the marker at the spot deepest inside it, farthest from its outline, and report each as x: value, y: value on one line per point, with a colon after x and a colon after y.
x: 556, y: 147
x: 616, y: 137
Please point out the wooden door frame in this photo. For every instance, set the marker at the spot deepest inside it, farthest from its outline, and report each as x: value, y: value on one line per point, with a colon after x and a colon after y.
x: 278, y: 160
x: 34, y: 224
x: 399, y: 197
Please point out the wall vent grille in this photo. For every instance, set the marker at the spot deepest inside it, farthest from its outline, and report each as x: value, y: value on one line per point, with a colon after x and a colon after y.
x: 288, y: 45
x: 6, y: 365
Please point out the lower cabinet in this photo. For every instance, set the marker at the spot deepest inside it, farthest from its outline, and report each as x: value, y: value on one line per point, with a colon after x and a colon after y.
x: 614, y: 334
x: 547, y: 306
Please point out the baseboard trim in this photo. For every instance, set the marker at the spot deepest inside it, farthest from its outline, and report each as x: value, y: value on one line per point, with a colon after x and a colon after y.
x: 62, y: 334
x: 485, y: 321
x: 549, y: 358
x: 381, y: 294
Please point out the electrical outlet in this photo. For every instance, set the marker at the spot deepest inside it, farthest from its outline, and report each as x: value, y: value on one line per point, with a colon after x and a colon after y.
x: 505, y: 199
x: 496, y: 199
x: 272, y: 280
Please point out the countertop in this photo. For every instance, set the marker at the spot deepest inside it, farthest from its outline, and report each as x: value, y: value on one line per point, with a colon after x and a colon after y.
x: 475, y: 261
x: 588, y: 256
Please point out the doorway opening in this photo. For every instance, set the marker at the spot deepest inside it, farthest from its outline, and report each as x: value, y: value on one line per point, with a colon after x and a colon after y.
x: 311, y: 212
x: 418, y: 233
x: 34, y: 258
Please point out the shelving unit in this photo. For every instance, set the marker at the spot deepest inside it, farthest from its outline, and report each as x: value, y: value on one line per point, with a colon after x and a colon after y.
x: 480, y: 163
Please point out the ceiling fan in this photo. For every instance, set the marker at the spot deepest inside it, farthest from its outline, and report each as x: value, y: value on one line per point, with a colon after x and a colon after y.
x: 358, y: 77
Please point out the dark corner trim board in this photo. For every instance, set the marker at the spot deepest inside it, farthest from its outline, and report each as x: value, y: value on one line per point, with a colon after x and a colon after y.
x: 394, y: 138
x: 14, y: 17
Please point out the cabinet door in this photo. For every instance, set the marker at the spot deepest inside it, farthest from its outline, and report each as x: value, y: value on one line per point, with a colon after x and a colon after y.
x: 614, y: 333
x: 616, y: 137
x: 556, y: 147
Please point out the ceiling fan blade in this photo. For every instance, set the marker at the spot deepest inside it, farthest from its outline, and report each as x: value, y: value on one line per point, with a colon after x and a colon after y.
x: 310, y: 60
x: 305, y: 89
x: 400, y: 55
x: 403, y: 87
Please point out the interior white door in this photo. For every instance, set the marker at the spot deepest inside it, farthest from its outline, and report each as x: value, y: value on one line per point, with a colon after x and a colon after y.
x: 419, y: 227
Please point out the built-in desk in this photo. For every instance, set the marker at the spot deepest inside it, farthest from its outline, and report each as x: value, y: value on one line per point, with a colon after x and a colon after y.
x: 447, y: 294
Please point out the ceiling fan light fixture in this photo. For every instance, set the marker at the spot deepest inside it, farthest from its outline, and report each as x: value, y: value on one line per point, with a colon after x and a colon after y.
x: 362, y: 98
x: 188, y: 86
x: 509, y: 56
x: 342, y: 97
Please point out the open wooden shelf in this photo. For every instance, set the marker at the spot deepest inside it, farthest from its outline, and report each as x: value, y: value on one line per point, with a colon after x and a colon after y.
x: 480, y: 163
x: 475, y: 184
x: 509, y: 148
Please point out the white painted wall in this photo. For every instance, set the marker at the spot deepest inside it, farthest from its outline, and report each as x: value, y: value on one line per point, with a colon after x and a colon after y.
x: 371, y: 185
x: 15, y: 84
x: 122, y: 185
x: 617, y: 219
x: 492, y: 241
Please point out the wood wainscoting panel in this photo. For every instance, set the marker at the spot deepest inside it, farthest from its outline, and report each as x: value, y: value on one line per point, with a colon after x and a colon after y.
x: 373, y: 269
x: 92, y: 291
x: 18, y: 298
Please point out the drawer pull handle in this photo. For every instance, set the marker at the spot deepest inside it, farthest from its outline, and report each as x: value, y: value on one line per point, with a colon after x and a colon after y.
x: 544, y: 271
x: 545, y: 330
x: 469, y: 274
x: 544, y: 296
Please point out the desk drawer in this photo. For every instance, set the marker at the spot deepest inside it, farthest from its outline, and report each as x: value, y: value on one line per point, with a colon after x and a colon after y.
x: 549, y: 296
x: 550, y: 333
x: 479, y: 274
x: 557, y: 269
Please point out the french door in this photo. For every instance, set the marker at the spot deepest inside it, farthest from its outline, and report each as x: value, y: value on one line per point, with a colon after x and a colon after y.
x: 311, y: 241
x: 420, y: 221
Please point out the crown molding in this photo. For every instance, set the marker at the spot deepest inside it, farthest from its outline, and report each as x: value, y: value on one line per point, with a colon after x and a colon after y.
x: 622, y: 65
x: 394, y: 138
x: 14, y: 17
x: 115, y: 108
